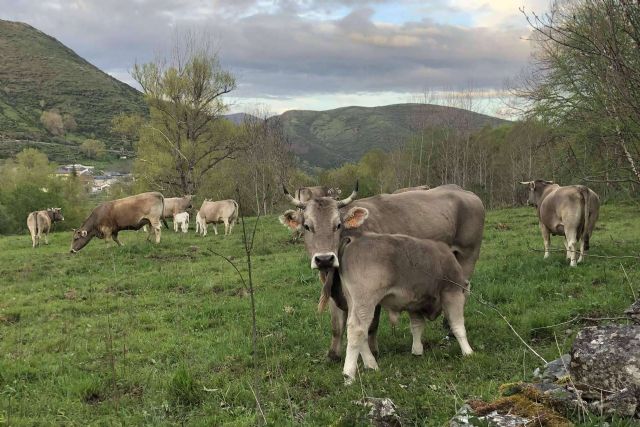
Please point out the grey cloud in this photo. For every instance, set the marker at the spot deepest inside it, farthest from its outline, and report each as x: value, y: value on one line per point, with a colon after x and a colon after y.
x: 276, y: 53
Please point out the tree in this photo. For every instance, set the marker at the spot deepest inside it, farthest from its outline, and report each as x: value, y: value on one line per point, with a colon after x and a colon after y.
x: 185, y: 96
x: 93, y: 149
x: 127, y: 127
x: 69, y: 123
x: 585, y: 81
x: 52, y: 122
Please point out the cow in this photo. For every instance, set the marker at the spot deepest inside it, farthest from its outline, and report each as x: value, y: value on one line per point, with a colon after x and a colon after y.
x: 446, y: 214
x: 176, y: 205
x: 181, y: 220
x: 40, y: 222
x: 400, y: 273
x: 570, y: 211
x: 418, y: 188
x: 129, y: 213
x: 222, y: 211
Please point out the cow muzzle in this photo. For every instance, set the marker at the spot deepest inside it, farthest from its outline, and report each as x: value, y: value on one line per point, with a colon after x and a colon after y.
x: 72, y: 251
x: 324, y: 260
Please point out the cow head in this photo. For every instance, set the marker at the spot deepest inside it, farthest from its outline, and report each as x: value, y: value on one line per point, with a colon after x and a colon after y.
x: 80, y: 239
x: 321, y: 223
x: 55, y: 214
x: 536, y: 190
x: 334, y: 192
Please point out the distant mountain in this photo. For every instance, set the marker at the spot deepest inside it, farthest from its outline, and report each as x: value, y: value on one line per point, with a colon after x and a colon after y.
x: 239, y: 118
x: 333, y: 137
x: 38, y: 73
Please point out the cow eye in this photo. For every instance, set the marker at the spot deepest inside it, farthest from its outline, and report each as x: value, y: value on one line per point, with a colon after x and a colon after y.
x: 306, y: 227
x: 338, y: 226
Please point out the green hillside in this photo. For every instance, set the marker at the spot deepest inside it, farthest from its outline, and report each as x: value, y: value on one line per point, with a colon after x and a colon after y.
x: 38, y: 73
x: 330, y: 138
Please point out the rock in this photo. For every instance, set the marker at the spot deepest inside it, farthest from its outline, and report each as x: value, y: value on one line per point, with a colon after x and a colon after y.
x: 606, y: 357
x: 383, y: 411
x: 625, y: 403
x: 556, y: 369
x: 634, y: 312
x: 466, y: 417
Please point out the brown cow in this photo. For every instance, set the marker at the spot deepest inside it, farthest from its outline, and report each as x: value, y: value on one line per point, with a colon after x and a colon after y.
x: 176, y: 205
x: 40, y: 222
x: 446, y: 214
x: 222, y: 211
x: 400, y: 273
x: 418, y: 188
x: 570, y: 211
x: 129, y: 213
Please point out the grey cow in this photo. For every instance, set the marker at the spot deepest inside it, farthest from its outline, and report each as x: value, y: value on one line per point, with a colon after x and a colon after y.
x: 447, y: 214
x: 570, y: 211
x: 40, y: 222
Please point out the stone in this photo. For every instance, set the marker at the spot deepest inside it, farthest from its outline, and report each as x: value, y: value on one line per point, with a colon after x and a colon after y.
x: 556, y: 369
x: 625, y: 403
x: 606, y: 358
x: 465, y: 417
x: 383, y: 411
x: 634, y: 312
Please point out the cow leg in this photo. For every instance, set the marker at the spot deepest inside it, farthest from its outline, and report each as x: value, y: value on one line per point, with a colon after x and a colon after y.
x: 546, y: 236
x: 175, y: 225
x: 231, y: 224
x: 338, y: 321
x: 226, y: 226
x: 417, y: 327
x: 453, y: 306
x: 114, y: 236
x: 566, y: 248
x: 373, y: 331
x: 358, y: 322
x: 572, y: 243
x: 582, y: 251
x: 156, y: 228
x: 215, y: 228
x: 33, y: 239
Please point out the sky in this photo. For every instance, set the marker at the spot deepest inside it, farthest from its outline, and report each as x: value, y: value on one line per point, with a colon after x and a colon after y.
x: 310, y: 54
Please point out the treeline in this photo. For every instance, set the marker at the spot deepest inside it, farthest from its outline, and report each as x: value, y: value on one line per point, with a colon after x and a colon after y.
x: 29, y: 183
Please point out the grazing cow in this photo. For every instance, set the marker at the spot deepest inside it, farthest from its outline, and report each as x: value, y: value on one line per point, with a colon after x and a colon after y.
x: 176, y: 205
x: 570, y: 211
x: 400, y: 273
x: 446, y: 214
x: 222, y: 211
x: 181, y: 220
x: 418, y: 188
x: 129, y: 213
x: 40, y: 222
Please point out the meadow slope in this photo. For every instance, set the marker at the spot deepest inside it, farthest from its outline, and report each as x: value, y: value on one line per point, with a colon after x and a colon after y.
x: 161, y: 335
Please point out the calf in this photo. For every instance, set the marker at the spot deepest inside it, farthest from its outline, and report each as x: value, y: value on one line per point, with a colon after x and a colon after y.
x: 400, y: 273
x: 40, y: 222
x: 570, y: 211
x: 181, y: 220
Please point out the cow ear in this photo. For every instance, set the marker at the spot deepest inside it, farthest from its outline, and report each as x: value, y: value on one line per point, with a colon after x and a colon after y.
x: 291, y: 219
x: 355, y: 217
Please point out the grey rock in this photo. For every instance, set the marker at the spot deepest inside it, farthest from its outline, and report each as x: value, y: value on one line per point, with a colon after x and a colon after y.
x: 465, y: 417
x: 606, y: 357
x: 634, y: 312
x: 625, y: 403
x: 383, y: 411
x: 556, y: 369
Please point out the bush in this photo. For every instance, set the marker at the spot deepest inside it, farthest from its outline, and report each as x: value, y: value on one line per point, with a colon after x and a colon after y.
x: 184, y: 389
x: 52, y: 122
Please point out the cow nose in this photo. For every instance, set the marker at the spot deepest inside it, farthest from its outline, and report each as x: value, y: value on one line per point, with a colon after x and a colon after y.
x: 324, y: 260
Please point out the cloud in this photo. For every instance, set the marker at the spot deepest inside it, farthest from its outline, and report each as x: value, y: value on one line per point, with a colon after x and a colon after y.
x: 290, y: 50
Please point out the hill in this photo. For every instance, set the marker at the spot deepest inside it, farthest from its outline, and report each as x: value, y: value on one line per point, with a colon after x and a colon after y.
x: 38, y: 73
x: 330, y: 138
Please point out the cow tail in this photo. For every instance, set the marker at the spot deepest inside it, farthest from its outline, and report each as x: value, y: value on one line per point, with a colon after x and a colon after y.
x: 164, y: 221
x: 585, y: 234
x: 35, y: 217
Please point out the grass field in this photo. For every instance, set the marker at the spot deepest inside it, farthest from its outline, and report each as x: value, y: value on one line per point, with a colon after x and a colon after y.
x: 161, y: 335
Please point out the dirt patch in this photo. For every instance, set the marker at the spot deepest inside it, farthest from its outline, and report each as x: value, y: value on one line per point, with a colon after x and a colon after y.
x: 501, y: 226
x: 10, y: 318
x: 71, y: 294
x: 93, y: 398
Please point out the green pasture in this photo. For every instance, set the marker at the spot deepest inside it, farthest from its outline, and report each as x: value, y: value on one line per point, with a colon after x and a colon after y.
x: 151, y: 334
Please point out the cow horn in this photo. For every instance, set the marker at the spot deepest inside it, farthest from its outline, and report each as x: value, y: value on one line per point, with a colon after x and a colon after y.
x: 352, y: 196
x: 525, y: 182
x: 549, y: 182
x: 297, y: 203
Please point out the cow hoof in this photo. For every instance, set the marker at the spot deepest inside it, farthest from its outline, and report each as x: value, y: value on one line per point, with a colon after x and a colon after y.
x: 546, y: 255
x: 417, y: 351
x: 348, y: 380
x: 333, y: 356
